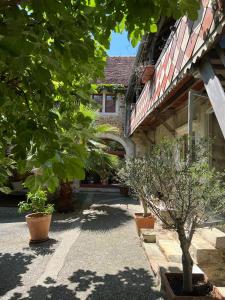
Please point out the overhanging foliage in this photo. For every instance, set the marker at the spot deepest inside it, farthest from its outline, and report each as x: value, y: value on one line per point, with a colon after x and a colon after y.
x: 50, y: 52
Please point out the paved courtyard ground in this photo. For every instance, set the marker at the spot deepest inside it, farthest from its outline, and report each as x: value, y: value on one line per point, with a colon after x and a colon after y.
x: 93, y: 254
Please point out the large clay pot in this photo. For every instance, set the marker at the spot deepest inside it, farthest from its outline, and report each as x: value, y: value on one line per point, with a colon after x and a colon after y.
x: 170, y: 295
x: 124, y: 190
x: 65, y: 201
x: 38, y: 224
x: 144, y: 222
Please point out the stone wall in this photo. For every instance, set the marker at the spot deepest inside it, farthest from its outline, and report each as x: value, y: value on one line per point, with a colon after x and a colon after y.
x: 117, y: 120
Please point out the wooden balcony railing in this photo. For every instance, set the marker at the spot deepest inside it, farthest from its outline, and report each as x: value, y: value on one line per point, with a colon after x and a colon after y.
x: 187, y: 44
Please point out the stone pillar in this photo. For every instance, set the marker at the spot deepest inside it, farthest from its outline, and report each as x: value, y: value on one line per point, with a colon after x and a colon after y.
x: 142, y: 143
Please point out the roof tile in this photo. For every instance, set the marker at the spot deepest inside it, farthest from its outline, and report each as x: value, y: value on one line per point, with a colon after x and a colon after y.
x: 118, y: 70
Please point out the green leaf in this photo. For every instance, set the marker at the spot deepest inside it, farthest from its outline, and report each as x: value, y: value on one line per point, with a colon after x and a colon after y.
x: 153, y: 28
x: 91, y: 3
x: 5, y: 190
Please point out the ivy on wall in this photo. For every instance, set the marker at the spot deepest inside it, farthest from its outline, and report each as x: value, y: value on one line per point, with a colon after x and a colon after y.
x: 110, y: 88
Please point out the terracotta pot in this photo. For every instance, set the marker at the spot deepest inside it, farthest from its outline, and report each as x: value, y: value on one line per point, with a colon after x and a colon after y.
x: 147, y: 221
x: 124, y: 191
x: 147, y: 73
x: 175, y: 276
x: 65, y: 201
x: 38, y: 224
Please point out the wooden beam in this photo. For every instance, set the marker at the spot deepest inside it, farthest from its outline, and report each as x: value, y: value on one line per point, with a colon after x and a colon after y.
x: 215, y: 92
x: 191, y: 97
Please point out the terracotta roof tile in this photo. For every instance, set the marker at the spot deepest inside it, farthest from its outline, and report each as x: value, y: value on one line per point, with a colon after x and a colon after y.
x: 118, y: 70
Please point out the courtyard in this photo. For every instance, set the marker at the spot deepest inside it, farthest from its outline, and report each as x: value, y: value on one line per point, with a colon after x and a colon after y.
x: 112, y: 149
x: 93, y: 253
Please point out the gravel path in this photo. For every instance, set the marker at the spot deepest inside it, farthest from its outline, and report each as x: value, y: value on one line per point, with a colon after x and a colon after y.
x: 105, y: 261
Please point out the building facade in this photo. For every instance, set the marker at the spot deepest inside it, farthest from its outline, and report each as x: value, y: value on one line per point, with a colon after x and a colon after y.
x: 111, y: 100
x: 177, y: 83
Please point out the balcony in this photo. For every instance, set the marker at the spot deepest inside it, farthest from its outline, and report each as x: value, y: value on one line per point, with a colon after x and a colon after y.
x: 184, y: 47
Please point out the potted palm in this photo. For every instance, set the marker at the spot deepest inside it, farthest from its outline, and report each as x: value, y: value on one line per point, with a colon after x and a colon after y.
x: 104, y: 164
x: 130, y: 175
x: 39, y: 218
x: 192, y: 193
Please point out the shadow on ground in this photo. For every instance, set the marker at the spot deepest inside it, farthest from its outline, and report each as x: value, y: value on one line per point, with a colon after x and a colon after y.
x: 46, y: 248
x: 62, y: 222
x: 113, y: 198
x: 12, y: 266
x: 132, y: 284
x: 105, y: 218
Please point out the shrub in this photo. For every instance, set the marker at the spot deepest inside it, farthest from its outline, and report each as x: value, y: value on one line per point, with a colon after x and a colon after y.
x: 36, y: 203
x: 131, y: 175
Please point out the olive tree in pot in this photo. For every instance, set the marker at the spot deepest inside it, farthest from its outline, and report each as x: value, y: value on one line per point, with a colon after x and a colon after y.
x: 131, y: 175
x: 39, y: 219
x: 192, y: 192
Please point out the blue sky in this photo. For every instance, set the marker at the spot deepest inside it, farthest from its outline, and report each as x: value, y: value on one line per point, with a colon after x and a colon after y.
x: 120, y: 45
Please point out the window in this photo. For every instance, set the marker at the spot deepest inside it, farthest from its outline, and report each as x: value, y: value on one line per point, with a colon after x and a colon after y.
x: 107, y: 103
x: 110, y: 104
x: 99, y: 99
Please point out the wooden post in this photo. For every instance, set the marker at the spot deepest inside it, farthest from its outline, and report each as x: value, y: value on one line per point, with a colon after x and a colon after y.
x: 215, y: 92
x: 190, y: 120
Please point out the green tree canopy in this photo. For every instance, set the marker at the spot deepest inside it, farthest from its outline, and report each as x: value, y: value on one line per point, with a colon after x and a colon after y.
x: 50, y: 53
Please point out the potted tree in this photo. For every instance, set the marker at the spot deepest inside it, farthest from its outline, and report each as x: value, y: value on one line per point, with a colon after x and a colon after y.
x: 192, y: 192
x: 39, y: 219
x: 130, y: 175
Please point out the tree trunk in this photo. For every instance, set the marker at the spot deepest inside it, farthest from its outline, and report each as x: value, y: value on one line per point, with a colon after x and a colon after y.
x: 145, y: 208
x: 187, y: 263
x: 65, y: 203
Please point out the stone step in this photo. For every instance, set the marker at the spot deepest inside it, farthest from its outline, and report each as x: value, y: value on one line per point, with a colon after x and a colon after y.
x: 222, y: 291
x: 158, y: 261
x: 171, y: 249
x: 215, y: 273
x: 203, y: 252
x: 214, y: 236
x: 153, y: 251
x: 160, y: 264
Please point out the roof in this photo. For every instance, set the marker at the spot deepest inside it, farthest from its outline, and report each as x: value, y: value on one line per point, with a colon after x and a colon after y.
x: 118, y: 70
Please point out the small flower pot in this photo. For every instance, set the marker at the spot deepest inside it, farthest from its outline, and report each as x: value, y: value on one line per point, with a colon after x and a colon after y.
x: 38, y: 224
x: 147, y: 73
x: 144, y: 222
x: 170, y: 280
